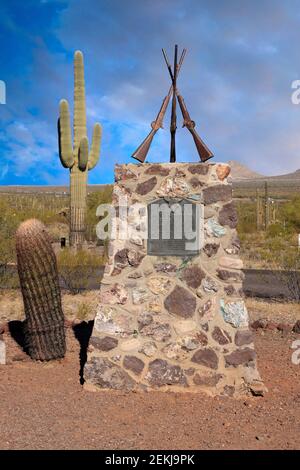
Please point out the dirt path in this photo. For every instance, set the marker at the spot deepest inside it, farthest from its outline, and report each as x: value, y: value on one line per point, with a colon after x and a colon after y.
x: 43, y: 406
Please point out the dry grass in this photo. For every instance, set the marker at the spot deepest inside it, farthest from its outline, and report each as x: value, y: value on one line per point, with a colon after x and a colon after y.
x: 81, y: 306
x: 278, y: 312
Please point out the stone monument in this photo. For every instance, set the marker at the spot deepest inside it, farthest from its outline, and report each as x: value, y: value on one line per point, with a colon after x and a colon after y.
x: 171, y: 314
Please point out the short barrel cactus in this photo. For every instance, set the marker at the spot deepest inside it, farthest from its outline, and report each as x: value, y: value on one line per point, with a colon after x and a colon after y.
x: 37, y: 268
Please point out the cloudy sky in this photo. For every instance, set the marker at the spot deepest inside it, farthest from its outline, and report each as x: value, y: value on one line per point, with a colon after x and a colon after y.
x: 243, y: 56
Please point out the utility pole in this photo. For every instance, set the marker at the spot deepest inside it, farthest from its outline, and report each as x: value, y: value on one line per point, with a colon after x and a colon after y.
x: 259, y: 210
x: 266, y: 206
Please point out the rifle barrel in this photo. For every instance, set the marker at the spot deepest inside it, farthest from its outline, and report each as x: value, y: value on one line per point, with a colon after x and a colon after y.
x: 173, y: 115
x: 140, y: 153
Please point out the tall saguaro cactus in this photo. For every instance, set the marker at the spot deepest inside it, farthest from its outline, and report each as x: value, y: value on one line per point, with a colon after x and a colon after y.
x: 44, y: 325
x: 77, y: 157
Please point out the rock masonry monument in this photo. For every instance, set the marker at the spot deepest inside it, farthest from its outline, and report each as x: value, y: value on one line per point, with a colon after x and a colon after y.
x: 171, y: 314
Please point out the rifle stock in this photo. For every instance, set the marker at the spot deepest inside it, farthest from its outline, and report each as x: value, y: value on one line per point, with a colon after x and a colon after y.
x: 203, y: 150
x: 141, y: 152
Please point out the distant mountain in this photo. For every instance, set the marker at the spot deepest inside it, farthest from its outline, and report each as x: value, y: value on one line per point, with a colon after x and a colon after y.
x: 242, y: 172
x: 289, y: 176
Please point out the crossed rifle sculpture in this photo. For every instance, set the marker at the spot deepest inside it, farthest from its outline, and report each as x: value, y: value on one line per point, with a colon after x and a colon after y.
x: 203, y: 151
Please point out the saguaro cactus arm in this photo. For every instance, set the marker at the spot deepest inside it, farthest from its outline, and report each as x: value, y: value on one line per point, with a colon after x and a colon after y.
x: 64, y: 135
x: 79, y: 100
x: 95, y: 147
x: 83, y: 154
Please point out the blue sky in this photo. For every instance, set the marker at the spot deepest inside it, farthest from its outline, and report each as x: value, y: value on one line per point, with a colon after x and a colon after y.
x: 236, y: 80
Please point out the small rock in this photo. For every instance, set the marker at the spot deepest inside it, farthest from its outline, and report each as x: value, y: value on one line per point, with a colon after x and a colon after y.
x: 222, y: 171
x: 173, y: 187
x: 206, y: 357
x: 240, y: 357
x: 210, y: 286
x: 103, y: 344
x: 229, y: 390
x: 193, y: 276
x: 149, y: 349
x: 209, y: 212
x: 116, y: 294
x: 189, y: 343
x: 211, y: 249
x: 207, y: 381
x: 158, y: 331
x: 296, y: 327
x: 230, y: 263
x: 121, y: 258
x: 257, y: 389
x: 221, y: 336
x: 112, y: 322
x: 137, y: 241
x: 180, y: 302
x: 229, y: 290
x: 284, y: 328
x: 2, y: 352
x: 159, y: 285
x: 157, y: 169
x: 198, y: 169
x: 134, y: 258
x: 205, y: 308
x: 214, y: 229
x: 122, y: 173
x: 172, y: 351
x: 140, y: 295
x: 195, y: 182
x: 102, y: 372
x: 134, y: 364
x: 147, y: 186
x: 144, y: 319
x: 166, y: 267
x: 228, y: 215
x: 243, y: 337
x: 261, y: 323
x: 135, y: 275
x: 216, y: 193
x: 154, y: 306
x: 234, y: 313
x: 162, y: 373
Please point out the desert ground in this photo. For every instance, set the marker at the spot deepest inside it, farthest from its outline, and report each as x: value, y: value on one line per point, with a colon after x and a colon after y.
x: 44, y: 406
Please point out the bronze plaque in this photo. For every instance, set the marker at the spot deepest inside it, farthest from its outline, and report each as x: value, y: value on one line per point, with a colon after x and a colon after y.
x: 173, y: 227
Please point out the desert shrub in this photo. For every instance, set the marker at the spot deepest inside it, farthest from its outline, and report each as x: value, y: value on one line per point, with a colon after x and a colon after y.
x: 291, y: 213
x: 48, y: 208
x: 246, y: 217
x: 77, y: 267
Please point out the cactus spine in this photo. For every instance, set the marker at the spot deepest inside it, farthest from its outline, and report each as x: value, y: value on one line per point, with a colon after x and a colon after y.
x: 37, y: 268
x: 78, y: 158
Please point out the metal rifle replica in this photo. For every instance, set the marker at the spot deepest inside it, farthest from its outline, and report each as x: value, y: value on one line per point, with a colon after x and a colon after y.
x: 141, y: 152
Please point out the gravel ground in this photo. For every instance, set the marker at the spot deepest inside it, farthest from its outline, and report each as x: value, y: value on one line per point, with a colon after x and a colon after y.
x: 43, y: 406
